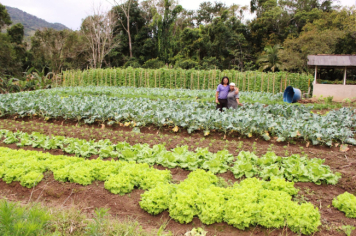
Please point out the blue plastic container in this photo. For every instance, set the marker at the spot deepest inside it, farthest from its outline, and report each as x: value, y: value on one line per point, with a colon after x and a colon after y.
x: 291, y: 95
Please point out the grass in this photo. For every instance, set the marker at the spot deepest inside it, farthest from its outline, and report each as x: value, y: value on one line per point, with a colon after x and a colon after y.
x: 34, y: 219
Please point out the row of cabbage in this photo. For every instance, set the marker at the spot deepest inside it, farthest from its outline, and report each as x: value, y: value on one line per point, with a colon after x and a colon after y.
x: 154, y: 93
x: 252, y: 202
x: 281, y: 121
x: 246, y: 164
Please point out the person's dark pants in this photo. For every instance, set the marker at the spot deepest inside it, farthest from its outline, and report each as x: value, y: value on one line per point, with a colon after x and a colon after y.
x: 222, y: 104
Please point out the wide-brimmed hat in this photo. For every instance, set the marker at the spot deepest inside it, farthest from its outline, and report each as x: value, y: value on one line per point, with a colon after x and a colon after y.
x: 232, y: 84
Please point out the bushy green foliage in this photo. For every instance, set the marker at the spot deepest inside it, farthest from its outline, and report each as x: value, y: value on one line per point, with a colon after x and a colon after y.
x: 28, y: 167
x: 293, y: 168
x: 346, y: 203
x: 183, y: 78
x: 16, y: 220
x: 280, y: 120
x: 248, y: 203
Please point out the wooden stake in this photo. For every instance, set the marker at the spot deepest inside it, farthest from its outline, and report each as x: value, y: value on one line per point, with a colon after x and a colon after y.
x: 134, y: 79
x: 175, y: 79
x: 198, y: 79
x: 267, y: 83
x: 261, y: 82
x: 129, y: 79
x: 155, y: 79
x: 208, y: 79
x: 170, y: 80
x: 274, y: 79
x: 238, y: 79
x: 204, y: 81
x: 140, y: 81
x: 159, y: 79
x: 125, y: 77
x: 248, y: 83
x: 110, y: 78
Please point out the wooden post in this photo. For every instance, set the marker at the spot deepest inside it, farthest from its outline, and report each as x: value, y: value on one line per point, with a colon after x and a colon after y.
x: 204, y: 80
x: 280, y: 87
x: 248, y: 83
x: 261, y: 81
x: 129, y: 79
x: 238, y: 79
x: 155, y: 79
x: 254, y: 85
x: 115, y: 81
x: 285, y: 82
x: 184, y: 80
x: 159, y: 79
x: 125, y: 77
x: 175, y: 79
x: 345, y: 76
x: 170, y: 80
x: 315, y: 75
x: 134, y: 79
x: 110, y: 78
x: 198, y: 80
x: 243, y: 82
x: 268, y: 83
x: 208, y: 79
x: 274, y: 79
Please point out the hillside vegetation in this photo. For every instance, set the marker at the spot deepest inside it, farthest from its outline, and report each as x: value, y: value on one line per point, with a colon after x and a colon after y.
x: 31, y: 22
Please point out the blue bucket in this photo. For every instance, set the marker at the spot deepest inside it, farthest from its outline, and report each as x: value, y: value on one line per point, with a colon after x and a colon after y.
x: 291, y: 95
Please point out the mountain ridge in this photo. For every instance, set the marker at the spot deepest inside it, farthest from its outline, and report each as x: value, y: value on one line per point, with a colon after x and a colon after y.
x: 30, y: 22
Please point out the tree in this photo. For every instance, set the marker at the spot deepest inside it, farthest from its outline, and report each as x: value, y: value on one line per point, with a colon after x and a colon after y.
x: 125, y: 7
x: 4, y: 17
x: 56, y: 50
x: 16, y: 33
x: 270, y: 59
x: 165, y: 26
x: 98, y: 30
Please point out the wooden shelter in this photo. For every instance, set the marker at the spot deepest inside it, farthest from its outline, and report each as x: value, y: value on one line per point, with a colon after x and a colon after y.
x: 338, y: 91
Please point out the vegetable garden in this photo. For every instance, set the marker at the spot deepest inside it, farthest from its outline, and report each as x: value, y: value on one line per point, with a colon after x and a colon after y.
x: 186, y: 79
x: 167, y: 156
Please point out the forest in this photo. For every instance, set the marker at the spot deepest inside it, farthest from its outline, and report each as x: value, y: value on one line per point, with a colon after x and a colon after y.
x: 155, y: 34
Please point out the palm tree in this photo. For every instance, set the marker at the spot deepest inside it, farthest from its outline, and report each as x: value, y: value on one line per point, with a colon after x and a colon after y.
x: 270, y: 59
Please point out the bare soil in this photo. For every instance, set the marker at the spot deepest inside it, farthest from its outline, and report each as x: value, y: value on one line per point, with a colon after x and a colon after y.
x: 87, y: 198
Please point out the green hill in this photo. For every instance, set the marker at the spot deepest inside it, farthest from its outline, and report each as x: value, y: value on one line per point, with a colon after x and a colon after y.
x: 31, y: 22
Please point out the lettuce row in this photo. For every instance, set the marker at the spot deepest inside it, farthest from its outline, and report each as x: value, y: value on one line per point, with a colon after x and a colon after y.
x: 346, y: 202
x: 142, y: 153
x: 251, y: 202
x: 119, y: 177
x: 293, y: 168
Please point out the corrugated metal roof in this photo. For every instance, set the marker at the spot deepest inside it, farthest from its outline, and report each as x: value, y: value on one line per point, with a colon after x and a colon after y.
x: 332, y: 60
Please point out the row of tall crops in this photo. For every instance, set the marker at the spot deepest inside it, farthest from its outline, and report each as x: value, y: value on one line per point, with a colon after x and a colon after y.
x: 187, y: 79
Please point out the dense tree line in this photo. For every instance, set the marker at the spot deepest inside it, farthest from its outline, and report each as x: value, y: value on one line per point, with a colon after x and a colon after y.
x: 153, y: 34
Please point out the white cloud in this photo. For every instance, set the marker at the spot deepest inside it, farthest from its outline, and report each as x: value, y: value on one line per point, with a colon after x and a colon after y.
x: 71, y: 12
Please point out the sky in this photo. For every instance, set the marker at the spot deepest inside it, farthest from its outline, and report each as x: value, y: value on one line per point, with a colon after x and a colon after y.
x: 71, y: 12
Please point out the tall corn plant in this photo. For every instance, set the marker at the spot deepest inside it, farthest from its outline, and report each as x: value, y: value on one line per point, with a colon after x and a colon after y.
x: 185, y: 79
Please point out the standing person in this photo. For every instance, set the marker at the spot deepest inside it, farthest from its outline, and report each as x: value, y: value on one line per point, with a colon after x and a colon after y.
x: 233, y: 98
x: 221, y: 93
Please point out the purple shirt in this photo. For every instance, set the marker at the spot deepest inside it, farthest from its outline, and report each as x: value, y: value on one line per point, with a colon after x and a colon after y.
x: 223, y: 91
